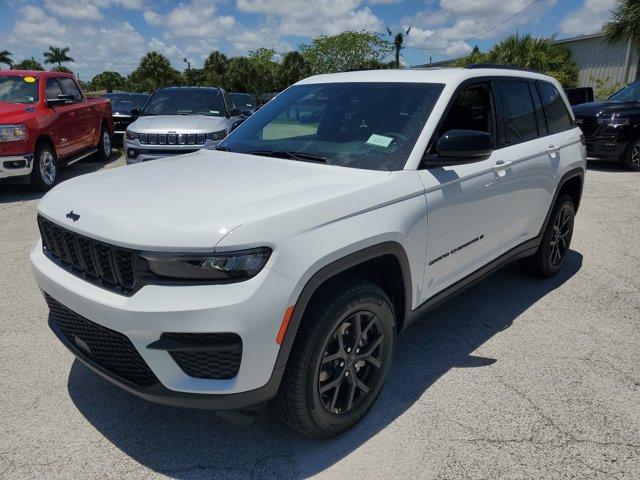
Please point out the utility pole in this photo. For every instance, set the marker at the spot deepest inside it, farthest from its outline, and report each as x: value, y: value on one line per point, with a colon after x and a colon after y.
x: 188, y: 70
x: 397, y: 43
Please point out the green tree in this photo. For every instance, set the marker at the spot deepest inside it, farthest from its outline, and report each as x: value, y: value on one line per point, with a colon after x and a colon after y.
x: 61, y: 68
x: 57, y: 55
x: 215, y: 67
x: 153, y: 72
x: 28, y: 64
x: 626, y: 23
x: 344, y: 51
x: 256, y: 74
x: 108, y: 81
x: 534, y: 53
x: 293, y: 68
x: 5, y: 57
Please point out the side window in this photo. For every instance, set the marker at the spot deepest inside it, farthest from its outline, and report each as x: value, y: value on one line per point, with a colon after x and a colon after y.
x: 53, y: 88
x: 558, y: 118
x: 228, y: 103
x: 471, y: 109
x: 70, y: 88
x: 518, y: 114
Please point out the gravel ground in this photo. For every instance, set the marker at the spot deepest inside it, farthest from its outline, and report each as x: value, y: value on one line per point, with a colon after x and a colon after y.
x: 515, y: 378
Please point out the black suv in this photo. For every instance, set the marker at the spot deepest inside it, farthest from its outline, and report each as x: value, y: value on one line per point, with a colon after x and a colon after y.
x: 612, y: 127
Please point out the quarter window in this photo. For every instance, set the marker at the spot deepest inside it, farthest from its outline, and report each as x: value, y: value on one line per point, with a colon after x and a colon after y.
x: 70, y: 88
x: 558, y: 118
x: 518, y: 114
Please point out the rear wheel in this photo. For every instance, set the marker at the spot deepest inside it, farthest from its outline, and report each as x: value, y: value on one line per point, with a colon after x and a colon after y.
x: 45, y: 168
x: 631, y: 158
x: 339, y: 362
x: 554, y: 246
x: 104, y: 145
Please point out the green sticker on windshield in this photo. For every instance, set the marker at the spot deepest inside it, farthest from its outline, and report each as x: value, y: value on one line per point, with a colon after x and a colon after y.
x: 379, y: 140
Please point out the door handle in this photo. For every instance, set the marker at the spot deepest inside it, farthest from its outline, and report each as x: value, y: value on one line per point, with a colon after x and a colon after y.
x: 501, y: 169
x: 553, y: 150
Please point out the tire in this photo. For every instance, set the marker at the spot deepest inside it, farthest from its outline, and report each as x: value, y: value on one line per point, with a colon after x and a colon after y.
x: 45, y: 168
x: 631, y: 158
x: 555, y: 243
x: 104, y: 145
x: 306, y: 401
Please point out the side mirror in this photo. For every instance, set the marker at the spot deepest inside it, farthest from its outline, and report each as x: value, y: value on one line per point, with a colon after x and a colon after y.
x: 469, y: 145
x: 61, y: 100
x: 135, y: 112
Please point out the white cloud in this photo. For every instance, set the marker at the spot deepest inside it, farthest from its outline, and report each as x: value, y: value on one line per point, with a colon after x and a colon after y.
x: 588, y: 18
x: 196, y: 19
x: 37, y: 28
x: 152, y: 18
x: 79, y: 10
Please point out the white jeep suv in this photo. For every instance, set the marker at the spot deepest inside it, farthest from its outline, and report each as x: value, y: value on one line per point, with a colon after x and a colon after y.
x: 280, y: 268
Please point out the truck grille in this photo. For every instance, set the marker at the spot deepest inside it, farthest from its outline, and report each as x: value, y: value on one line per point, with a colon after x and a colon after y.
x: 213, y: 356
x: 107, y: 348
x: 172, y: 138
x: 588, y: 125
x: 106, y: 265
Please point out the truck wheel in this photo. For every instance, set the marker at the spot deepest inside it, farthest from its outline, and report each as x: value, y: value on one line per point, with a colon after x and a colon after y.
x: 340, y: 360
x: 45, y: 168
x: 104, y: 145
x: 631, y: 158
x: 554, y: 246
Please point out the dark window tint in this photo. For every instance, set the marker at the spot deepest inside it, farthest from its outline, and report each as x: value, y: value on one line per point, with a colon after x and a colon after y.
x: 558, y: 118
x: 471, y: 110
x: 186, y: 101
x: 70, y: 88
x: 518, y: 114
x: 53, y: 89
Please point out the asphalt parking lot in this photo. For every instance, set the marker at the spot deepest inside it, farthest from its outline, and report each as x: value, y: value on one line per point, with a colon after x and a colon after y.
x: 515, y: 378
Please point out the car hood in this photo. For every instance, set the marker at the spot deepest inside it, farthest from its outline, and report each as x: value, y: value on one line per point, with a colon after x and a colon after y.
x: 191, y: 202
x: 16, y: 112
x: 179, y: 124
x: 606, y: 108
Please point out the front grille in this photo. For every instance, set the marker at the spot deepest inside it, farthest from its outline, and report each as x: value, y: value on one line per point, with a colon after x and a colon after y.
x: 588, y: 125
x: 212, y: 356
x: 109, y: 266
x: 107, y: 348
x: 172, y: 138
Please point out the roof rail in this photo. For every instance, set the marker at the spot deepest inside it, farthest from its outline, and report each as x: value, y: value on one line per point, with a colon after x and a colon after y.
x: 472, y: 66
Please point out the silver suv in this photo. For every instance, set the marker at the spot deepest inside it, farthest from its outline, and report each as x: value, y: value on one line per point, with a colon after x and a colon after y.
x: 179, y: 120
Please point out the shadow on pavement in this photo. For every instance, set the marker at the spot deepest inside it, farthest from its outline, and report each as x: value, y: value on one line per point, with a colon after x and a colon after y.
x: 607, y: 166
x: 195, y: 444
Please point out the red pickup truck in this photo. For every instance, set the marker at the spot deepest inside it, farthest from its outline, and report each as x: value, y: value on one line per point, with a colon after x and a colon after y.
x: 46, y: 122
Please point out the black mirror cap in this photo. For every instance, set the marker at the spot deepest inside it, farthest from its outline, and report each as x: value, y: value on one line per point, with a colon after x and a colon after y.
x: 61, y: 100
x: 465, y: 144
x: 136, y: 112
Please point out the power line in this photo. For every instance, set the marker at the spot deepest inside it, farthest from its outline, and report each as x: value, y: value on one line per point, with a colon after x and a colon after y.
x: 479, y: 34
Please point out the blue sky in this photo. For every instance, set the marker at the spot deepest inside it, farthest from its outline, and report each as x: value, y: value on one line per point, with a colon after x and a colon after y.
x: 114, y: 34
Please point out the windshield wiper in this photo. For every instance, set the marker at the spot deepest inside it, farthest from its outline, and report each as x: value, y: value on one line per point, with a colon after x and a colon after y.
x: 302, y: 156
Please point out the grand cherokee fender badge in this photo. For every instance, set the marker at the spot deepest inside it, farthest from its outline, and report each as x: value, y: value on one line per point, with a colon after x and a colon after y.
x: 457, y: 249
x: 73, y: 216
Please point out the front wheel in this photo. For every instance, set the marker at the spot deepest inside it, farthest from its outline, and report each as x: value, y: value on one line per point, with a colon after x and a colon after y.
x: 631, y: 158
x: 339, y: 361
x: 45, y: 168
x: 104, y: 145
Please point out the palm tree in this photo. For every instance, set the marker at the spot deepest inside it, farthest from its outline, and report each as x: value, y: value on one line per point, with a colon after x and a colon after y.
x: 625, y: 24
x: 57, y: 55
x: 5, y: 57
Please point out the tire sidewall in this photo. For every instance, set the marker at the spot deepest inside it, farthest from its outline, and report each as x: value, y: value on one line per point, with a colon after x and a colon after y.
x: 367, y: 300
x: 627, y: 156
x: 36, y: 174
x: 549, y: 268
x: 101, y: 155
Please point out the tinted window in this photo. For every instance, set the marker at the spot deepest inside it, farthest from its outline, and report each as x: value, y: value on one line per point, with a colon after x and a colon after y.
x: 628, y: 94
x: 127, y: 101
x: 558, y: 118
x: 18, y: 89
x: 70, y: 88
x: 518, y: 114
x: 53, y: 89
x: 184, y: 101
x: 371, y: 125
x: 471, y: 110
x: 242, y: 100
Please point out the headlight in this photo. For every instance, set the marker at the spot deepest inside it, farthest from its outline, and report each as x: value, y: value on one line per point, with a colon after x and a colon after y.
x: 12, y: 133
x: 229, y: 266
x: 217, y: 135
x: 614, y: 121
x: 129, y: 135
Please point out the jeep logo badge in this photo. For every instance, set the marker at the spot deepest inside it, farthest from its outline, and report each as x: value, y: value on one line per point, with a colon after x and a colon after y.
x: 73, y: 216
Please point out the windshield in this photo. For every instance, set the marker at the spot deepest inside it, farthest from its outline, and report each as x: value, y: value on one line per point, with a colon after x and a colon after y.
x: 19, y: 89
x: 242, y: 101
x: 362, y: 125
x: 186, y: 102
x: 628, y: 94
x: 121, y: 102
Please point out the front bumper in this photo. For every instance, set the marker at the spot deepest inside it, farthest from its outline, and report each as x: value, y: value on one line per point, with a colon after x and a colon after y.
x: 137, y: 152
x: 16, y: 165
x: 252, y: 309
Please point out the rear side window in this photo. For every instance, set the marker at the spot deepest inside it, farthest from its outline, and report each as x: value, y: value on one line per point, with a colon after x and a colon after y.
x: 53, y: 88
x: 518, y: 114
x: 558, y: 118
x: 70, y: 88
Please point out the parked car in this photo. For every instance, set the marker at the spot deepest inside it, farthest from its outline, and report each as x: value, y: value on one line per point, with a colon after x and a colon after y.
x: 612, y: 127
x: 281, y: 267
x: 122, y: 103
x: 46, y: 122
x: 243, y: 102
x: 178, y: 120
x: 579, y: 95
